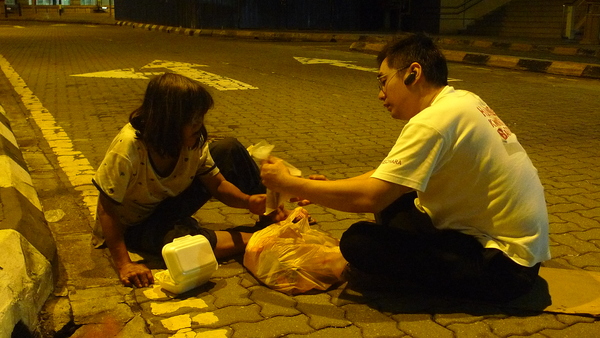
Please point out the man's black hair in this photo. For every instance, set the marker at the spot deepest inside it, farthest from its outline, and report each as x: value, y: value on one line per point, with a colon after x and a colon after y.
x: 418, y: 48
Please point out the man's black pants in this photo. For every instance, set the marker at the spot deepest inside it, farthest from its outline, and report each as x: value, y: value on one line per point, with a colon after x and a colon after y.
x: 405, y: 246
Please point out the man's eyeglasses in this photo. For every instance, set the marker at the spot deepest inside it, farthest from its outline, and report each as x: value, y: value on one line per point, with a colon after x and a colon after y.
x: 383, y: 80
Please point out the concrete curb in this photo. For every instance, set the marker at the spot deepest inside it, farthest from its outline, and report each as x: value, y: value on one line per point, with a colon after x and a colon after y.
x: 534, y: 65
x: 26, y: 283
x: 248, y: 34
x: 511, y: 62
x: 458, y: 42
x: 18, y: 195
x: 26, y: 273
x: 524, y: 47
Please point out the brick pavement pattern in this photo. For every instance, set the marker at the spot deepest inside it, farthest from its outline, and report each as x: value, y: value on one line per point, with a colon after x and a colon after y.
x: 329, y: 134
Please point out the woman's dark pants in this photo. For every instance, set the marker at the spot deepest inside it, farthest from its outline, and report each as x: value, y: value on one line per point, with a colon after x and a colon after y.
x: 173, y: 215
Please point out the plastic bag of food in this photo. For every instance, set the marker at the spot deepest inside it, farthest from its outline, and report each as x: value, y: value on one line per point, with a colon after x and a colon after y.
x: 292, y: 258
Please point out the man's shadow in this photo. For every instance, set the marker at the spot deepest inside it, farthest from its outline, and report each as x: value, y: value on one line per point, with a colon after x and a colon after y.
x: 403, y: 299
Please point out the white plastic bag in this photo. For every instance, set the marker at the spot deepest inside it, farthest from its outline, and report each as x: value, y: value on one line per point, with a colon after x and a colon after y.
x: 293, y: 258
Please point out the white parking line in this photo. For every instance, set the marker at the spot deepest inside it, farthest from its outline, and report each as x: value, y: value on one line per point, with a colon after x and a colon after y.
x: 77, y: 168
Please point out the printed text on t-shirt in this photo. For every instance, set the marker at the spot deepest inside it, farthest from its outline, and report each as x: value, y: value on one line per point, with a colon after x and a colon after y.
x: 393, y: 161
x: 495, y: 121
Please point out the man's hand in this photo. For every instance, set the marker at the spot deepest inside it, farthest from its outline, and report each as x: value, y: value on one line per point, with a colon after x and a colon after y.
x: 273, y: 173
x: 135, y: 274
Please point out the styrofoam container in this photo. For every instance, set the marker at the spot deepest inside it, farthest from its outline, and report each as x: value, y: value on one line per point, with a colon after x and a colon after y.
x: 166, y: 282
x: 190, y: 263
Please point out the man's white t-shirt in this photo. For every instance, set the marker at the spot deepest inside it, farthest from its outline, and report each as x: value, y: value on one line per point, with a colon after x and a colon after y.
x: 472, y: 175
x: 127, y: 177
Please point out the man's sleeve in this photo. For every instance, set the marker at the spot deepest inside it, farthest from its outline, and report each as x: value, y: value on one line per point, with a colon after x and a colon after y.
x: 414, y: 157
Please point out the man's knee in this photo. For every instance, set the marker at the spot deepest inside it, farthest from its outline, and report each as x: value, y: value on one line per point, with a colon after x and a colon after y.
x: 356, y: 234
x: 357, y: 243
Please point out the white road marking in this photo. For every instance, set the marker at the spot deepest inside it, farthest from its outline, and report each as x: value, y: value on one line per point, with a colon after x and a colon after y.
x: 343, y: 64
x: 205, y: 318
x: 176, y: 323
x: 77, y: 168
x: 189, y: 69
x: 188, y: 333
x: 160, y: 309
x: 183, y: 68
x: 337, y: 63
x: 127, y: 73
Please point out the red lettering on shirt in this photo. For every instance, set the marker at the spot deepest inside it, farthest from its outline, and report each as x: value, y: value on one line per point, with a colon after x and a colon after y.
x: 495, y: 121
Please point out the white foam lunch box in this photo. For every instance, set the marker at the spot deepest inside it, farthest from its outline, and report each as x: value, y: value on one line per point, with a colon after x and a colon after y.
x: 190, y: 263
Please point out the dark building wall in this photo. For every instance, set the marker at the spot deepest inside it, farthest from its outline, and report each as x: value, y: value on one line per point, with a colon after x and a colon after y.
x: 340, y: 15
x: 423, y: 16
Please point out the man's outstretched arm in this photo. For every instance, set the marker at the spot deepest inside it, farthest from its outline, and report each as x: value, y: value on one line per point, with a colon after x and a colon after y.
x: 358, y: 194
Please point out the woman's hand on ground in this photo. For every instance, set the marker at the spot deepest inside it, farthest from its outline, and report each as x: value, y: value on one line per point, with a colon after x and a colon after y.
x: 135, y: 274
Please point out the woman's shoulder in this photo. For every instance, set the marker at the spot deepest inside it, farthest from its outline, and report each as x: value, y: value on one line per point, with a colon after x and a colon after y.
x: 126, y: 143
x: 127, y: 134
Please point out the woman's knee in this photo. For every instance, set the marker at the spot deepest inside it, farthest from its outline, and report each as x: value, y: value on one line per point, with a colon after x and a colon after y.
x: 237, y: 166
x: 225, y: 146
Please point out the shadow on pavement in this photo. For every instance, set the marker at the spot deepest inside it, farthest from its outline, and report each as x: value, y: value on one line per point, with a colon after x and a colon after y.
x: 415, y: 300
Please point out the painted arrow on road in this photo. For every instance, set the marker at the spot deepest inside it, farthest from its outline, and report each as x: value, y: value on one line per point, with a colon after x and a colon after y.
x: 127, y: 73
x: 189, y: 70
x: 337, y: 63
x: 343, y: 64
x: 183, y: 68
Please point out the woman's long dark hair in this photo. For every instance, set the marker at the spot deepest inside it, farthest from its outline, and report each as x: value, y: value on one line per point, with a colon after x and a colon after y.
x: 171, y: 102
